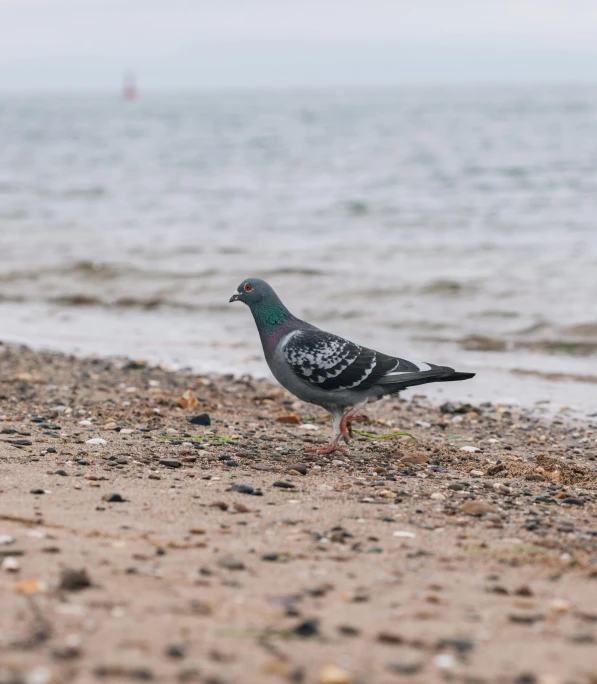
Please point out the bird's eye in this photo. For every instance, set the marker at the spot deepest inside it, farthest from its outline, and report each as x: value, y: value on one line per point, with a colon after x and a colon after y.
x: 248, y: 287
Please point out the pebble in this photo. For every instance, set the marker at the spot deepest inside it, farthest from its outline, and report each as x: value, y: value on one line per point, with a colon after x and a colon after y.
x: 444, y: 661
x: 333, y: 674
x: 114, y: 497
x: 402, y: 533
x: 403, y: 668
x: 6, y: 539
x: 438, y: 496
x: 230, y: 563
x: 560, y: 606
x: 170, y: 462
x: 307, y: 628
x: 470, y: 449
x: 96, y: 440
x: 201, y: 419
x: 477, y: 508
x: 245, y: 489
x: 10, y: 564
x: 61, y: 472
x: 289, y: 419
x: 74, y: 580
x: 573, y: 501
x: 283, y: 484
x: 176, y: 650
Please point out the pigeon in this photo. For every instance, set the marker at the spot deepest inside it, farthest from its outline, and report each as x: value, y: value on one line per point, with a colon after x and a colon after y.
x: 327, y: 370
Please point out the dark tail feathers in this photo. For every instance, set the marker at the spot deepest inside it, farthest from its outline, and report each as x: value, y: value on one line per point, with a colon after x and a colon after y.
x: 458, y: 376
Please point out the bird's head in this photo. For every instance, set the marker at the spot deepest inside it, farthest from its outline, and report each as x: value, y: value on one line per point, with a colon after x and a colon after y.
x: 254, y: 291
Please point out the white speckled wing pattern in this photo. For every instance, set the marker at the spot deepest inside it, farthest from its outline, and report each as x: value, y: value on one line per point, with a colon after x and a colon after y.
x: 332, y: 363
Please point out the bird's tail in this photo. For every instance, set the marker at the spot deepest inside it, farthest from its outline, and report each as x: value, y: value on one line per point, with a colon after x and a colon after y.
x: 458, y: 376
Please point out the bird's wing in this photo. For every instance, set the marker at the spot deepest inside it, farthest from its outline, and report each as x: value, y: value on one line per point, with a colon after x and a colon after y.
x: 334, y: 364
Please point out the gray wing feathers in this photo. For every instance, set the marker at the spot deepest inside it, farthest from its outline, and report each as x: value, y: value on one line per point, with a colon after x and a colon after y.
x: 332, y: 363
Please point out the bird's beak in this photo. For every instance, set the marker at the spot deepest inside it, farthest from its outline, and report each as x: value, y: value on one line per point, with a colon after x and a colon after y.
x: 235, y: 297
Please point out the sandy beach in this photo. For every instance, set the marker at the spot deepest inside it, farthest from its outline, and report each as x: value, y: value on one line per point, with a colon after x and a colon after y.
x: 166, y: 526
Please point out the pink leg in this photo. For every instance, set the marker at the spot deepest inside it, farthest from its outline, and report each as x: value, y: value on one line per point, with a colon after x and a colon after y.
x: 333, y: 445
x: 328, y: 449
x: 348, y: 418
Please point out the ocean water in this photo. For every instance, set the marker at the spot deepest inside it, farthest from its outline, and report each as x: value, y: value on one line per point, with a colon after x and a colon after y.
x: 457, y: 226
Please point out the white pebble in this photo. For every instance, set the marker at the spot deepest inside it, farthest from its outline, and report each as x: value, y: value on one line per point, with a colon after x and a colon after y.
x: 470, y: 449
x: 423, y: 423
x: 6, y: 539
x: 11, y: 564
x: 39, y: 675
x: 438, y: 496
x: 444, y: 661
x: 402, y: 533
x: 96, y: 440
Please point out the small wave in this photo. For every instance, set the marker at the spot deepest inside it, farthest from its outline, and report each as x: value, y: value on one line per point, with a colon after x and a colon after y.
x: 293, y: 271
x: 146, y: 304
x: 357, y: 208
x: 88, y: 193
x: 448, y: 288
x: 100, y: 271
x: 497, y: 313
x: 574, y: 377
x: 483, y: 343
x: 571, y: 347
x: 581, y: 330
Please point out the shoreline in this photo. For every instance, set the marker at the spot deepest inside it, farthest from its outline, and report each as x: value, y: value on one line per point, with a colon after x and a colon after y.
x: 225, y: 553
x: 543, y: 384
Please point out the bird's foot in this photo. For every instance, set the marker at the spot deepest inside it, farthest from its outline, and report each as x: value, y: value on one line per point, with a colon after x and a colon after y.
x: 328, y: 449
x: 346, y: 427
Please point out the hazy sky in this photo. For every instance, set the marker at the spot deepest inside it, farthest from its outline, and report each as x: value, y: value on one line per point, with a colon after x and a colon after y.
x: 71, y: 44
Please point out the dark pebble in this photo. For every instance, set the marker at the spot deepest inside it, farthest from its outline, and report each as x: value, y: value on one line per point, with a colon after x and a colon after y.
x: 170, y: 462
x: 202, y: 419
x: 349, y: 630
x: 61, y: 472
x: 51, y: 450
x: 74, y: 580
x: 232, y: 464
x: 463, y: 646
x: 581, y: 639
x: 83, y: 461
x: 176, y: 650
x: 20, y: 442
x: 114, y: 497
x: 526, y: 679
x: 224, y: 458
x: 241, y: 489
x: 303, y: 470
x: 37, y: 491
x: 573, y: 501
x: 270, y: 557
x: 522, y: 619
x: 544, y: 499
x: 282, y: 484
x: 403, y: 668
x: 307, y: 628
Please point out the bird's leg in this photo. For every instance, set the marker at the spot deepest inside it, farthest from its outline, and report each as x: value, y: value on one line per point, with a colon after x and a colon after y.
x: 337, y: 434
x: 350, y: 417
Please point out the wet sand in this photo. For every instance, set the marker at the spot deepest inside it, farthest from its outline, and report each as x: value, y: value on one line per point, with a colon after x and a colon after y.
x: 225, y: 553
